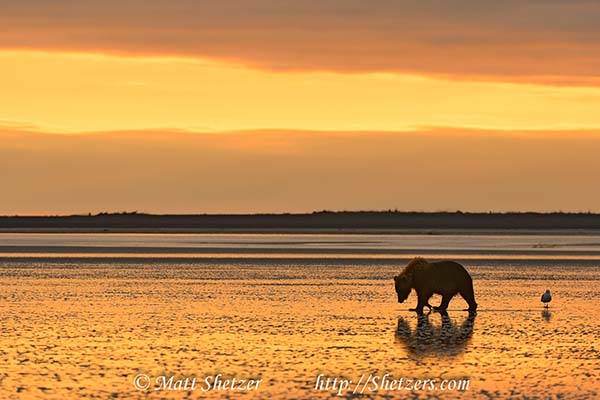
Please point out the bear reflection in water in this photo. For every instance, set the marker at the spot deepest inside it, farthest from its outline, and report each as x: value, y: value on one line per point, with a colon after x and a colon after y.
x: 447, y: 339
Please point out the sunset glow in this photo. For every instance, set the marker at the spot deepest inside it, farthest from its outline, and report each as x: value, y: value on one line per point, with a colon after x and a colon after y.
x: 73, y: 92
x: 496, y: 84
x: 271, y: 199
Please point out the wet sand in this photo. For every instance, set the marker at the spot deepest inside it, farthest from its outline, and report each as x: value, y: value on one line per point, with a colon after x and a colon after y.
x: 72, y: 328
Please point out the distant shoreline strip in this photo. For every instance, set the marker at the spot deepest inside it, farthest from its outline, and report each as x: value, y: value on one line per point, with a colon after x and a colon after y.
x: 314, y: 223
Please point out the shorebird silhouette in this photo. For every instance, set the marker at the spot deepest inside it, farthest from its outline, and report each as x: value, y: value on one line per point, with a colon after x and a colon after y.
x: 546, y: 298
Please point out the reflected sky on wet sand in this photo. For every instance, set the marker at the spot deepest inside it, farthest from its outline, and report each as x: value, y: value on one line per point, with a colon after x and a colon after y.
x: 81, y: 329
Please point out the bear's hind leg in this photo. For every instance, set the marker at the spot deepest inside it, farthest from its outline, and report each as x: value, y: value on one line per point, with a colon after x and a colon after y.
x: 469, y: 297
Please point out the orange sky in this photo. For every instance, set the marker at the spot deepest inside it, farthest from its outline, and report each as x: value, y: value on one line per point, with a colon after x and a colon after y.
x: 493, y: 82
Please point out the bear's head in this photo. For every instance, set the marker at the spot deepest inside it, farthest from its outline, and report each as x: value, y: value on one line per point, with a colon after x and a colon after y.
x: 403, y: 287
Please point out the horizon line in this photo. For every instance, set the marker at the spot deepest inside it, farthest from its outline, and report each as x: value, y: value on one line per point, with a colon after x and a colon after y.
x: 306, y: 213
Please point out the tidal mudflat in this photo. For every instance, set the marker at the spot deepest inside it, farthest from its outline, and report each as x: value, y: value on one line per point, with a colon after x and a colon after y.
x: 82, y: 315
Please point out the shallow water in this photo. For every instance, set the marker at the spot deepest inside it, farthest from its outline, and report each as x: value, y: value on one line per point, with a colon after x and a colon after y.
x: 79, y: 320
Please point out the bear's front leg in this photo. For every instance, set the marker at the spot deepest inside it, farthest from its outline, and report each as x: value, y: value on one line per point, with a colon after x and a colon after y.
x: 423, y: 301
x: 444, y: 304
x: 426, y: 305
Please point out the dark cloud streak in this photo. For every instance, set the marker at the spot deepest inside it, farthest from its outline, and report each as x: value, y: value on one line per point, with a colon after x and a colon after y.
x: 540, y: 41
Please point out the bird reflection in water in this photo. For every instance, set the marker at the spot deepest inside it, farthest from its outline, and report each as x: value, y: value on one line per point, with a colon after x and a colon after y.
x: 546, y: 314
x: 447, y: 339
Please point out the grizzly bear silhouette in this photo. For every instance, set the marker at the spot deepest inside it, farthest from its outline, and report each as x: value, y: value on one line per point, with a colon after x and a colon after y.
x: 446, y: 278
